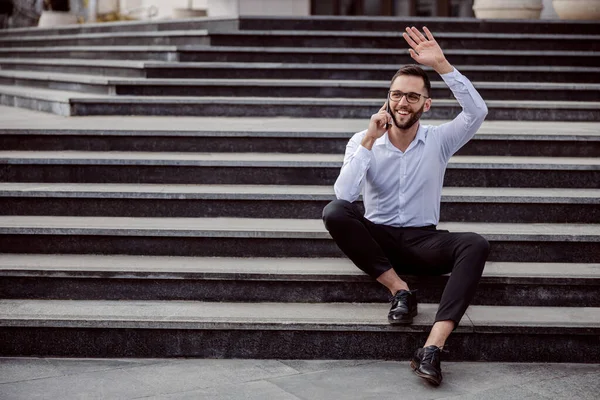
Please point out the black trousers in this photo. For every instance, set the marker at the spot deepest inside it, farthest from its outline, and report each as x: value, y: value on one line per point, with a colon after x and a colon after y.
x: 411, y: 251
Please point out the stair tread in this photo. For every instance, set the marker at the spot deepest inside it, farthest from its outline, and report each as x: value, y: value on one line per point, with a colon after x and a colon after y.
x: 28, y: 121
x: 115, y: 80
x: 293, y: 192
x: 97, y: 35
x: 214, y: 315
x: 272, y: 159
x: 268, y: 228
x: 275, y: 49
x: 287, y: 269
x: 279, y: 65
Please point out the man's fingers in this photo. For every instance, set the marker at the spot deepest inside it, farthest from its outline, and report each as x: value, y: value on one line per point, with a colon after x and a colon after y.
x: 413, y: 53
x: 384, y: 107
x: 419, y: 35
x: 409, y: 40
x: 415, y: 38
x: 428, y: 33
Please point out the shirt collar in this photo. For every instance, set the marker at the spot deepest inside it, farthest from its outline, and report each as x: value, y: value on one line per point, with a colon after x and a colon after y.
x: 419, y: 137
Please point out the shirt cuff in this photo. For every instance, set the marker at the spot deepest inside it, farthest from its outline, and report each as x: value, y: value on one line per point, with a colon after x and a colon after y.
x: 362, y: 153
x: 451, y: 76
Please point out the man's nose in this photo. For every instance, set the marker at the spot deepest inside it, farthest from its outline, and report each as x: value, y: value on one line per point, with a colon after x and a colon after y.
x: 403, y: 101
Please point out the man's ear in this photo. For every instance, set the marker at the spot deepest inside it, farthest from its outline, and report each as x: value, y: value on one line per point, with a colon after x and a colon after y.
x: 427, y: 105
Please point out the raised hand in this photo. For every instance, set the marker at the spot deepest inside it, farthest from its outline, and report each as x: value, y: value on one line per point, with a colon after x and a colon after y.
x: 425, y: 50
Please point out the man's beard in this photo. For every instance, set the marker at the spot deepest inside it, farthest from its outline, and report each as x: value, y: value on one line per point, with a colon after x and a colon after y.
x: 411, y: 121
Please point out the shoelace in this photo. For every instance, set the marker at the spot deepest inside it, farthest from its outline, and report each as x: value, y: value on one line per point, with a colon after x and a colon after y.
x: 402, y: 295
x: 429, y: 355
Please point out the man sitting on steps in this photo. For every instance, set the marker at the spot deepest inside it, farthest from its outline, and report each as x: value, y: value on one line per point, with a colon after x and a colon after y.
x: 401, y: 168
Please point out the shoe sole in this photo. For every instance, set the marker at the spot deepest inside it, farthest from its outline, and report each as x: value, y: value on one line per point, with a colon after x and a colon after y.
x: 404, y: 321
x: 428, y: 378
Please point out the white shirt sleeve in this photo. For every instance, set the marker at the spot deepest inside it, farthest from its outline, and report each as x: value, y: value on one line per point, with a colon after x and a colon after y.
x: 357, y: 160
x: 454, y: 134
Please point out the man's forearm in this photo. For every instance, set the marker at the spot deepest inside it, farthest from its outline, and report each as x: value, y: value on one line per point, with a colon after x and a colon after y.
x: 368, y: 142
x: 443, y: 68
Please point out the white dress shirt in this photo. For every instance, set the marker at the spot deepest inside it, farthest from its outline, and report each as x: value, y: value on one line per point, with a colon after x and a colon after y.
x: 404, y: 189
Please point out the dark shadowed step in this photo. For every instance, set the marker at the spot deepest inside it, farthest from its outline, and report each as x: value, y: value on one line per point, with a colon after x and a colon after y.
x: 286, y: 88
x: 340, y: 39
x: 287, y: 331
x: 318, y: 280
x: 379, y: 56
x: 270, y: 201
x: 394, y: 24
x: 394, y: 40
x: 228, y: 70
x: 290, y: 169
x: 534, y: 139
x: 346, y: 89
x: 247, y: 237
x: 381, y: 72
x: 322, y: 108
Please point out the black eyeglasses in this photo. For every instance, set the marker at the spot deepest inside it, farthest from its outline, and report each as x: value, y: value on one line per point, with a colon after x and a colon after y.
x: 411, y: 97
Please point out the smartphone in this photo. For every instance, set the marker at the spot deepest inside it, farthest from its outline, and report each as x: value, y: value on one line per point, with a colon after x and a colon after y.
x: 389, y: 110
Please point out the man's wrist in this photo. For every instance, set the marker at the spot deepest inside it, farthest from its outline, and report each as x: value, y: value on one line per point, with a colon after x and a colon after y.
x: 368, y: 142
x: 443, y: 68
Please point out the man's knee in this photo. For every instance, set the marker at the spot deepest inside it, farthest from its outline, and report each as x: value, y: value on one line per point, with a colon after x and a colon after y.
x: 336, y: 211
x: 478, y: 243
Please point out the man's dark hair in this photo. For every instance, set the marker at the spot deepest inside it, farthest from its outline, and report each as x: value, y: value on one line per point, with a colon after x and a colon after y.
x: 414, y: 70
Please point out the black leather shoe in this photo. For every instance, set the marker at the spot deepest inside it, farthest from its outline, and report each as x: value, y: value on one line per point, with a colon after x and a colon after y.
x: 426, y: 364
x: 404, y: 307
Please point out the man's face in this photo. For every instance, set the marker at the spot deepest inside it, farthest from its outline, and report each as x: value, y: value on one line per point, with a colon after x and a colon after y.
x: 406, y: 114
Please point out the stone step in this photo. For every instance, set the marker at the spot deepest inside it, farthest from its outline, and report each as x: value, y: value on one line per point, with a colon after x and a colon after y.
x: 525, y: 205
x: 250, y: 237
x: 287, y: 331
x: 277, y: 169
x: 195, y: 53
x: 394, y: 24
x: 394, y: 40
x: 208, y: 23
x: 243, y: 70
x: 285, y: 88
x: 319, y: 55
x: 318, y: 280
x: 75, y: 104
x: 53, y: 101
x: 319, y: 107
x: 164, y: 38
x: 157, y: 53
x: 122, y: 68
x: 273, y: 135
x: 291, y: 38
x: 381, y: 72
x: 340, y: 23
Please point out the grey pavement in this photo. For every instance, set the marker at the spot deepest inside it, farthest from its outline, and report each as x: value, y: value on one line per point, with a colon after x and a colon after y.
x: 52, y: 378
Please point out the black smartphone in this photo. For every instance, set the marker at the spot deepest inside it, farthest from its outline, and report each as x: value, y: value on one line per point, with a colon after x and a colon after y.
x: 389, y: 110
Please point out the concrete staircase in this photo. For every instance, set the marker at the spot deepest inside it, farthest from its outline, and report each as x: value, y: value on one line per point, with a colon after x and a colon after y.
x: 170, y: 237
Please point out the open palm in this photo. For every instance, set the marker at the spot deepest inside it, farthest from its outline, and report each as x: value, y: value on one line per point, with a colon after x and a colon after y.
x: 425, y: 50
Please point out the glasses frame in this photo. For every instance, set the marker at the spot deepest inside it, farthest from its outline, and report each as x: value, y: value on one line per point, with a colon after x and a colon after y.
x: 406, y: 95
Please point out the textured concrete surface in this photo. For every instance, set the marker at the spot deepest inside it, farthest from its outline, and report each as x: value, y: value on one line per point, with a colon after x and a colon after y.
x: 284, y: 316
x: 273, y: 268
x: 269, y: 228
x: 56, y: 378
x: 284, y: 192
x: 22, y: 119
